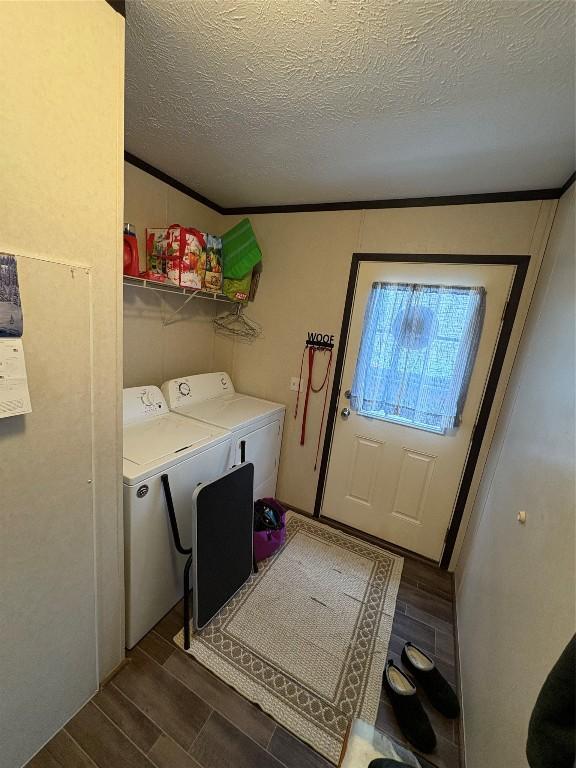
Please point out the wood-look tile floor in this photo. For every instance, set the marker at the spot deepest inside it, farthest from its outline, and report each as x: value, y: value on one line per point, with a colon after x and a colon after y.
x: 164, y: 710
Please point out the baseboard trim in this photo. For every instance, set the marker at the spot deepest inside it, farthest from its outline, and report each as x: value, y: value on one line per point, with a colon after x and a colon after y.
x: 461, y: 734
x: 118, y: 668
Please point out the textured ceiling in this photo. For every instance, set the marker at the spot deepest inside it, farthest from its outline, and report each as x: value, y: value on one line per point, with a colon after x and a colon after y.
x: 262, y: 102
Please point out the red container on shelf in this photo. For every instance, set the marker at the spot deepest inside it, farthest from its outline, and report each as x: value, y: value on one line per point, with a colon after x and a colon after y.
x: 131, y: 258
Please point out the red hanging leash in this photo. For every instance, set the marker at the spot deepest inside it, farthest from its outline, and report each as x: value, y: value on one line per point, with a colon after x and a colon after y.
x: 311, y: 388
x: 308, y: 388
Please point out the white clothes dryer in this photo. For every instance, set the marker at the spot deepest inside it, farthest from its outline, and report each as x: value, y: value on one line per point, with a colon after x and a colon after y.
x: 255, y: 423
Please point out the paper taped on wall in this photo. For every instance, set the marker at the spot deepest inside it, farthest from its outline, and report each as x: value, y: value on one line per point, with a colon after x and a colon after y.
x: 14, y: 394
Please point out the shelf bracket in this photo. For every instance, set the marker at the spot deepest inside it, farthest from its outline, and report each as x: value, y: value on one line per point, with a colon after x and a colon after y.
x: 170, y: 319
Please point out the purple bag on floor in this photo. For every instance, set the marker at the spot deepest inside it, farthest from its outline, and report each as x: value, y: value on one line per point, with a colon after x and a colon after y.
x: 268, y: 540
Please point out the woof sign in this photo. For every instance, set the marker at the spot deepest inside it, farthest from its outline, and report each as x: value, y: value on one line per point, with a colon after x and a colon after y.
x: 321, y: 340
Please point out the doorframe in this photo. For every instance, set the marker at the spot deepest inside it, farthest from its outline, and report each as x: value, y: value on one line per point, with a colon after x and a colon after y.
x: 521, y: 264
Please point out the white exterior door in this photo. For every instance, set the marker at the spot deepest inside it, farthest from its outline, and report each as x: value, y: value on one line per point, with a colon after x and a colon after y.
x: 395, y: 481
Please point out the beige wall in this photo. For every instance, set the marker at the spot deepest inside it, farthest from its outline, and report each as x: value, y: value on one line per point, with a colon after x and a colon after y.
x: 306, y: 264
x: 61, y: 191
x: 515, y: 583
x: 153, y: 351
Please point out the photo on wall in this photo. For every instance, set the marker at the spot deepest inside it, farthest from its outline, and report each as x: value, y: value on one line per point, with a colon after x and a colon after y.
x: 11, y: 321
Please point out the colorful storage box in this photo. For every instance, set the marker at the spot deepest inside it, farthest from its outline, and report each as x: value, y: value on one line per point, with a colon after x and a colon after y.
x: 213, y: 279
x: 186, y: 257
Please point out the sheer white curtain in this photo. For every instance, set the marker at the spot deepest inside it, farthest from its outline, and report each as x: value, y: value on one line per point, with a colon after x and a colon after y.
x: 418, y: 347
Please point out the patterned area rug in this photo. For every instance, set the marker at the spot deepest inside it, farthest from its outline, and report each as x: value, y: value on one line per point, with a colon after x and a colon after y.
x: 306, y: 638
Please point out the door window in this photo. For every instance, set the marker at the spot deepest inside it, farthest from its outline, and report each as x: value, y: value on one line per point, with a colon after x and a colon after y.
x: 417, y: 352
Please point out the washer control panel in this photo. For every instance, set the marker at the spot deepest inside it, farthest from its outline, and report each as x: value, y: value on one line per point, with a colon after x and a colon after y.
x: 188, y: 390
x: 143, y: 403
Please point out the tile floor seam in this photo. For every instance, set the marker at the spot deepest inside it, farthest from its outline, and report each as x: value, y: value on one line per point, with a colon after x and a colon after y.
x: 157, y: 725
x: 133, y: 703
x: 136, y: 706
x: 445, y: 602
x: 244, y: 732
x: 417, y: 620
x: 280, y: 763
x: 155, y: 742
x: 47, y: 749
x: 276, y: 726
x: 413, y: 604
x: 198, y: 734
x: 83, y: 751
x: 411, y: 608
x: 214, y: 709
x: 172, y: 645
x: 80, y: 747
x: 117, y: 727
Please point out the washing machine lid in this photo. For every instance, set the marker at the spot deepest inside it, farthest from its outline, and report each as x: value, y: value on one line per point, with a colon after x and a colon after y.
x: 233, y: 411
x: 170, y: 436
x: 210, y: 397
x: 155, y: 439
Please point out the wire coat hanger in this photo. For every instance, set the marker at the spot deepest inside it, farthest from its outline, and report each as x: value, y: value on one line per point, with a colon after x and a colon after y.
x: 236, y: 324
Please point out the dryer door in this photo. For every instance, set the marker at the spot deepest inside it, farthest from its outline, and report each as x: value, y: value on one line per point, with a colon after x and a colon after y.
x: 263, y: 450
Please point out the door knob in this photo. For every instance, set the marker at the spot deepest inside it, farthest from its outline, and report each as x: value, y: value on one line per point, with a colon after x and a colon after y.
x: 345, y: 412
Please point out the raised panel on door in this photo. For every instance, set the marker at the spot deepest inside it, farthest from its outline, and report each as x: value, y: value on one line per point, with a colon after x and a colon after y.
x: 365, y: 478
x: 363, y: 469
x: 413, y: 485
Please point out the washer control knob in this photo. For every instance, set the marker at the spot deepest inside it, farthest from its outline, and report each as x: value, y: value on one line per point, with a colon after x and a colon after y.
x: 146, y: 399
x: 184, y: 388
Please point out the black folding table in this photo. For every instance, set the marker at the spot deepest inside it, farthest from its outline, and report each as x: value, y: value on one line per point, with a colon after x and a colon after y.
x: 220, y: 559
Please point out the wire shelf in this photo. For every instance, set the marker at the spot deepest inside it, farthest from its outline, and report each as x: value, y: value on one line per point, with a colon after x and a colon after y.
x: 153, y: 285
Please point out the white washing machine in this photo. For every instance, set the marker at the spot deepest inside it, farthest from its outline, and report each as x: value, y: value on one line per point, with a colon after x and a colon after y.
x: 211, y: 398
x: 158, y: 442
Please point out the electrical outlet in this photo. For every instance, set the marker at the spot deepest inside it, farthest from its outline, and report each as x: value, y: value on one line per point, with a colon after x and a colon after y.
x: 294, y: 381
